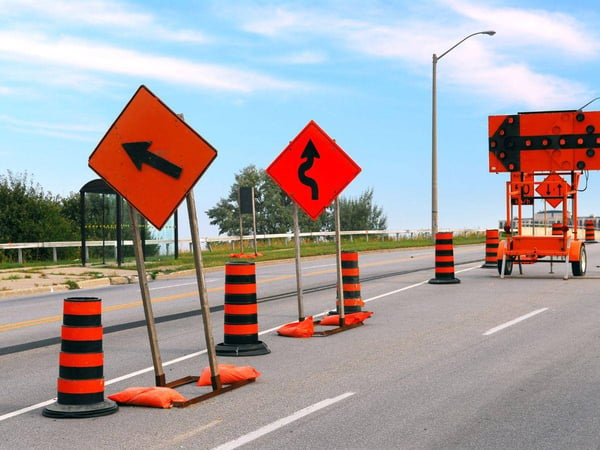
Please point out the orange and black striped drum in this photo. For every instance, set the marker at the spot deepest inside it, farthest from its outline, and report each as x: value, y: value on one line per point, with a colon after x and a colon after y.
x: 80, y: 382
x: 240, y: 328
x: 350, y: 283
x: 491, y: 248
x: 590, y: 232
x: 444, y: 259
x: 557, y: 229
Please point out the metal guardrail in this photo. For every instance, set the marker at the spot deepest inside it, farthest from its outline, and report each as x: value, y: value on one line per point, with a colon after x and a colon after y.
x: 186, y: 243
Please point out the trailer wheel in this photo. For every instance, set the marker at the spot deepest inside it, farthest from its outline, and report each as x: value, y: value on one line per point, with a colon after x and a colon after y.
x: 507, y: 268
x: 579, y: 267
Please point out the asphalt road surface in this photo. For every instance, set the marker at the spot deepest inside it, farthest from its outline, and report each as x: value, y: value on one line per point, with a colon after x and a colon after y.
x: 487, y: 363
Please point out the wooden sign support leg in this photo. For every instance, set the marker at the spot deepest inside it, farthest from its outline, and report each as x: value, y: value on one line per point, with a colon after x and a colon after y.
x: 298, y: 267
x: 147, y: 302
x: 338, y: 261
x: 210, y: 343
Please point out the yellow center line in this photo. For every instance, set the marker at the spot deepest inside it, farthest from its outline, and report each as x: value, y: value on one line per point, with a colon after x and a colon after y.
x: 52, y: 319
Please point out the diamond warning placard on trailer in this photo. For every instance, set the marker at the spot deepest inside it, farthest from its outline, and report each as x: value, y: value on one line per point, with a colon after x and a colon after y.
x: 151, y: 157
x: 553, y: 189
x: 313, y: 170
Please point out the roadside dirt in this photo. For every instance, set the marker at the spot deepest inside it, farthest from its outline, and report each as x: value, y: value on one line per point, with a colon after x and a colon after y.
x: 23, y: 281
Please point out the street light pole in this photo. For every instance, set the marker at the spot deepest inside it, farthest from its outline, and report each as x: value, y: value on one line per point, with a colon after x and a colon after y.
x: 434, y: 176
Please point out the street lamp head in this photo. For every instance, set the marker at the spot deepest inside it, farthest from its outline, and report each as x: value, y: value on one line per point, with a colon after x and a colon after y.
x: 436, y: 58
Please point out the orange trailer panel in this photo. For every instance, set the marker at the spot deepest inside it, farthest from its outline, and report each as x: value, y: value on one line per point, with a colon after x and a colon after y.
x: 544, y: 141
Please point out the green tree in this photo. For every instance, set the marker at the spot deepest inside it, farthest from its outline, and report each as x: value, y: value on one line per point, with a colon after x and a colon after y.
x: 274, y: 209
x: 28, y: 213
x: 270, y: 204
x: 361, y: 213
x: 31, y: 215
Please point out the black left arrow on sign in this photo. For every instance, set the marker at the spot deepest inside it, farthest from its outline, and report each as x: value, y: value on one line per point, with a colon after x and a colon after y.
x: 139, y: 154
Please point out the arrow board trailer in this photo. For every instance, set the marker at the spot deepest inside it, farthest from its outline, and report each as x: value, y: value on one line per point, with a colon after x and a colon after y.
x: 545, y: 153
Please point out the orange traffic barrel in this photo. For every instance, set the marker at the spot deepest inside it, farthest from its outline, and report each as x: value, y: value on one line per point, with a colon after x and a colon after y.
x: 241, y: 312
x: 444, y: 260
x: 557, y: 229
x: 590, y: 232
x: 81, y: 363
x: 491, y: 249
x: 350, y: 284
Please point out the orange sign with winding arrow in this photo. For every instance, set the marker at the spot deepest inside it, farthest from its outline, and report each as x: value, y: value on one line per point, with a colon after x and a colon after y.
x: 313, y: 170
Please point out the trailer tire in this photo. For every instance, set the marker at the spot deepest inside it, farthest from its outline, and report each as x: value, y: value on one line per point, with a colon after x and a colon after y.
x: 507, y: 268
x: 579, y: 267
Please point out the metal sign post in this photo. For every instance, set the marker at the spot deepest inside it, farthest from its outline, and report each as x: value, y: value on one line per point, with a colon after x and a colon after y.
x: 338, y: 261
x: 206, y: 321
x: 298, y: 268
x: 254, y: 223
x: 146, y: 301
x: 241, y: 224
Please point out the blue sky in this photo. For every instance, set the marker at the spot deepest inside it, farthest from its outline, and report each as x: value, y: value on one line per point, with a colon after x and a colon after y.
x: 249, y: 75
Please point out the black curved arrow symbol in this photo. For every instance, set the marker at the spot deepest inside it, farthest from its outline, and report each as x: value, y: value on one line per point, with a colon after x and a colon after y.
x: 139, y: 154
x: 310, y: 153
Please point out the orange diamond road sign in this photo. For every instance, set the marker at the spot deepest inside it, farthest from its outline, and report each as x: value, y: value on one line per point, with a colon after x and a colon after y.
x: 313, y: 170
x: 553, y: 188
x: 151, y: 157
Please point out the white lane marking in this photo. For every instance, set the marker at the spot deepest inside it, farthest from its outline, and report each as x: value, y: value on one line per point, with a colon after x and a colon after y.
x: 281, y: 422
x: 27, y: 409
x: 395, y: 292
x: 208, y: 280
x: 320, y: 265
x: 469, y: 268
x: 515, y: 321
x: 171, y: 286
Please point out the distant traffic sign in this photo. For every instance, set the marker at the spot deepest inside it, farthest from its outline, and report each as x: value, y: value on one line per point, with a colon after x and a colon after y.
x: 151, y: 157
x: 523, y: 184
x: 313, y: 170
x: 553, y: 189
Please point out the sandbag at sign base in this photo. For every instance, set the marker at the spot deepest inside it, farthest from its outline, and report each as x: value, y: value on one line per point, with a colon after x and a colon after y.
x: 229, y: 374
x: 349, y: 319
x: 304, y: 329
x: 156, y: 397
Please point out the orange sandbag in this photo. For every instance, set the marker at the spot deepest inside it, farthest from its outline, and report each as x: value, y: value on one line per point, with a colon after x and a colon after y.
x: 349, y: 319
x: 304, y: 329
x: 157, y: 397
x: 228, y: 374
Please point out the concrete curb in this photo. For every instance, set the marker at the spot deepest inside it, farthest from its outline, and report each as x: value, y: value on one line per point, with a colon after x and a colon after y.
x: 35, y: 290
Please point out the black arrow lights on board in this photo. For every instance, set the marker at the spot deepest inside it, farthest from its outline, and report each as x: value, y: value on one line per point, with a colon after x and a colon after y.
x: 310, y: 153
x: 139, y: 154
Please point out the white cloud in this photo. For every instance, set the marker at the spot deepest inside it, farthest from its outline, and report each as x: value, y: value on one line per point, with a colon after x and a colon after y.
x: 85, y: 55
x: 70, y: 131
x: 502, y: 67
x: 275, y: 21
x: 533, y: 27
x: 99, y: 13
x: 305, y: 57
